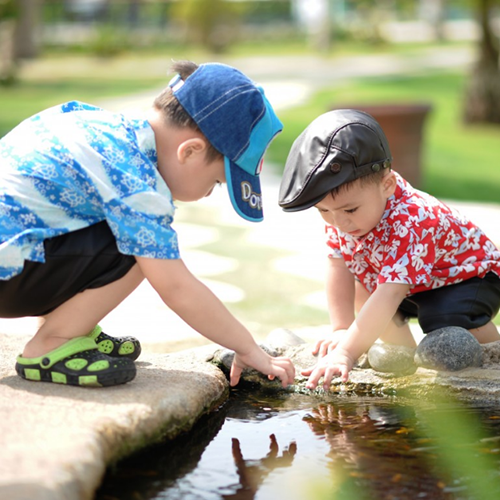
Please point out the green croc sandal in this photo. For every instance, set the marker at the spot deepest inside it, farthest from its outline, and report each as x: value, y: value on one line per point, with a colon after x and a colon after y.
x: 116, y: 347
x: 77, y: 362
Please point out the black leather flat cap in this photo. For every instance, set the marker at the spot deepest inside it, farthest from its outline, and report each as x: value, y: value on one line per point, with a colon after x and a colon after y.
x: 337, y: 147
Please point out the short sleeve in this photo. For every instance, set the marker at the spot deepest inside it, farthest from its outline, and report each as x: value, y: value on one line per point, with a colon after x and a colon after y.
x: 143, y: 233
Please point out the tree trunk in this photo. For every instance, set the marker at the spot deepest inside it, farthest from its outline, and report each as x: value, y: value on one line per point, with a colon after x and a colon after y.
x: 433, y: 11
x: 7, y: 63
x: 134, y: 13
x: 27, y: 32
x: 482, y: 100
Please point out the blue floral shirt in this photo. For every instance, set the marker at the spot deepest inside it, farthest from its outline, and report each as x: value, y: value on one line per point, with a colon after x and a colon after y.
x: 72, y: 166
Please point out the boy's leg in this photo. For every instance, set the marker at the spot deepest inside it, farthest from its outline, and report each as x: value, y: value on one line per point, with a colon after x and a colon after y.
x: 83, y: 278
x: 470, y: 304
x: 80, y: 314
x: 487, y: 333
x: 397, y: 332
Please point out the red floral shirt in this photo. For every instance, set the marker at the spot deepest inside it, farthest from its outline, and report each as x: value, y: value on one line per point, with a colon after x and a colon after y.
x: 419, y: 241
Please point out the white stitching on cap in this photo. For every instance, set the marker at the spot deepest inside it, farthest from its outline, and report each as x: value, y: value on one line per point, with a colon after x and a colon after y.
x: 222, y: 97
x: 253, y: 89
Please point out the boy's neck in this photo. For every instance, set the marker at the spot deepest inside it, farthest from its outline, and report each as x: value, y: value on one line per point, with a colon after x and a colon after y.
x: 168, y: 138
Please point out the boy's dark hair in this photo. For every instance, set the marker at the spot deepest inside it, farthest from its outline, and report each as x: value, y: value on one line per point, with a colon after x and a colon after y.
x: 365, y: 180
x: 174, y: 113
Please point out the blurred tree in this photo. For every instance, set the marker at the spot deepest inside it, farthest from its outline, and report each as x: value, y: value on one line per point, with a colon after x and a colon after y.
x: 27, y: 30
x: 482, y: 98
x: 434, y: 12
x: 134, y: 9
x: 211, y: 23
x: 7, y: 24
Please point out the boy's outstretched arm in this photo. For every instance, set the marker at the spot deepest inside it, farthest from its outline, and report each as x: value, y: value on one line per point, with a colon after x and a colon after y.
x: 340, y: 297
x: 369, y: 325
x: 202, y: 310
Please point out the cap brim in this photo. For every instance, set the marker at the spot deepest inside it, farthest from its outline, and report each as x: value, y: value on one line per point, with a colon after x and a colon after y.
x: 303, y: 206
x: 244, y: 191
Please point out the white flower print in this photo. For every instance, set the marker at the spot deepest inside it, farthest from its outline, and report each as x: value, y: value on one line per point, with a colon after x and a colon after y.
x: 72, y: 198
x: 145, y: 237
x: 398, y: 272
x: 376, y: 255
x: 114, y: 155
x: 137, y: 160
x: 358, y: 265
x: 132, y: 184
x: 45, y: 170
x: 28, y: 219
x: 399, y: 229
x: 393, y: 248
x: 370, y: 281
x: 418, y: 253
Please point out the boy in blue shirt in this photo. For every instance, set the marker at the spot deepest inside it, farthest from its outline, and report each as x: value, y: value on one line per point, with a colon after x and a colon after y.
x: 86, y: 207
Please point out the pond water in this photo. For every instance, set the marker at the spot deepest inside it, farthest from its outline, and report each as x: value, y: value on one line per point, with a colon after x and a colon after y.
x: 337, y: 447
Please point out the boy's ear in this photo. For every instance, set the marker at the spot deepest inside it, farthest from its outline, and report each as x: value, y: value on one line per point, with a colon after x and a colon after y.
x: 189, y: 148
x: 389, y: 184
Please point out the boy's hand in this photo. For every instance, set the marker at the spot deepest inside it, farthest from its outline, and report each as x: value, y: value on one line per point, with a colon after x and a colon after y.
x: 328, y: 343
x: 335, y: 363
x: 259, y: 360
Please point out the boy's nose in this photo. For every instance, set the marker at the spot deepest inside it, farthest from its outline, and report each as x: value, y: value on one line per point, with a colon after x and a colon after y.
x: 342, y: 222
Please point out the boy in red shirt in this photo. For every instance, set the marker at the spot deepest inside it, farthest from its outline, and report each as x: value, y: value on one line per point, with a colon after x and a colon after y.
x: 395, y: 252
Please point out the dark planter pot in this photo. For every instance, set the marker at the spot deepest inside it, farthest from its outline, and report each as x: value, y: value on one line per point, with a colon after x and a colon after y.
x: 403, y: 125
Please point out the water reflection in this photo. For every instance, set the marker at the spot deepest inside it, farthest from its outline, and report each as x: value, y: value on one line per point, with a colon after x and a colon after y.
x: 253, y: 472
x: 373, y: 445
x: 342, y: 448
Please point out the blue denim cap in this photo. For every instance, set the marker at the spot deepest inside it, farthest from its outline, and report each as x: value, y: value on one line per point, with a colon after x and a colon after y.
x: 235, y: 116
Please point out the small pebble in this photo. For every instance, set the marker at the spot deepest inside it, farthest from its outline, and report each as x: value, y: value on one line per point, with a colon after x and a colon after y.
x: 389, y: 358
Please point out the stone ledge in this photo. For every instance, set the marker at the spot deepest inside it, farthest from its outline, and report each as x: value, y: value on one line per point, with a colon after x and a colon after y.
x: 56, y: 441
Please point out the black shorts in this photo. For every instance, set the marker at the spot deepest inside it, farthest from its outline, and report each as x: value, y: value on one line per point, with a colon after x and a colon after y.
x: 469, y: 304
x: 87, y: 258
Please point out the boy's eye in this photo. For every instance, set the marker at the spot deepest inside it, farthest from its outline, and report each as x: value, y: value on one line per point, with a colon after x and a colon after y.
x: 351, y: 210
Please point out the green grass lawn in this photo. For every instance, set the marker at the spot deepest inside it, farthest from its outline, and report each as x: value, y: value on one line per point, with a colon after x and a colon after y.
x: 55, y: 80
x: 459, y: 162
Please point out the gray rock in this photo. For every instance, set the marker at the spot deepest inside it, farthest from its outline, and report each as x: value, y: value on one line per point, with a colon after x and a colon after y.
x: 282, y: 337
x: 451, y: 349
x: 388, y: 358
x: 223, y: 359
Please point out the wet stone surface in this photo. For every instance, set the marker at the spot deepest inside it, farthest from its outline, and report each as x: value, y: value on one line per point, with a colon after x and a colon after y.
x: 481, y: 379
